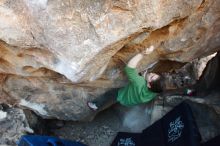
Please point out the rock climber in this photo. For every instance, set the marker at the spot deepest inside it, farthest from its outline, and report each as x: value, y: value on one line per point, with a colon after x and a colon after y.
x: 138, y: 90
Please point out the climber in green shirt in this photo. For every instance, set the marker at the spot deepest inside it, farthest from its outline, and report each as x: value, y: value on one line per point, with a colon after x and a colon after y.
x: 137, y: 91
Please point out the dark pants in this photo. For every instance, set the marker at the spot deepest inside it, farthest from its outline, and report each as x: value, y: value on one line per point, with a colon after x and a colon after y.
x: 107, y: 99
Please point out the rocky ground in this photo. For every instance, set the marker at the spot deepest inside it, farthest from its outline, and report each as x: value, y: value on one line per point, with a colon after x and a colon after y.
x: 99, y: 132
x: 102, y: 130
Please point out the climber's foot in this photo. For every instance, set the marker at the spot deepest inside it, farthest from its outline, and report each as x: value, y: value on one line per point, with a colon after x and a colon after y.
x: 92, y: 106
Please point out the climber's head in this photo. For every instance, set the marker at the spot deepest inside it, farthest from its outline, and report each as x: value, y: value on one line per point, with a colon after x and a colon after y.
x: 154, y: 82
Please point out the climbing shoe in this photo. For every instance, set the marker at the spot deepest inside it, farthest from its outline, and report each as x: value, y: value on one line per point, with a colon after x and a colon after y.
x: 92, y: 106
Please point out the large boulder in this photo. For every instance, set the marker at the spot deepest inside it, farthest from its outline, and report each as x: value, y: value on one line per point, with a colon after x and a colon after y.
x: 48, y: 98
x: 78, y: 38
x: 52, y: 50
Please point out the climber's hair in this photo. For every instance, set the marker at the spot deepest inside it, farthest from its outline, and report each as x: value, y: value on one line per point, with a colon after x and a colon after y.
x: 157, y: 85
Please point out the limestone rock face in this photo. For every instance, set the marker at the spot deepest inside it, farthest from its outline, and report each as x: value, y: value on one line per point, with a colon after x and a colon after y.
x: 78, y: 47
x: 78, y: 38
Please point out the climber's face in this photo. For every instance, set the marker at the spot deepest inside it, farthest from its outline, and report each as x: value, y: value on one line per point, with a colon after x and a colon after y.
x: 151, y: 77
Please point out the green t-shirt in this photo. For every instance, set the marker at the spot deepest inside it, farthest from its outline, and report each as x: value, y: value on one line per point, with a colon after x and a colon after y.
x: 136, y: 91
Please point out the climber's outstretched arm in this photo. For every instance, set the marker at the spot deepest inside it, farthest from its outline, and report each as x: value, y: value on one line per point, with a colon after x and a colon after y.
x: 136, y: 59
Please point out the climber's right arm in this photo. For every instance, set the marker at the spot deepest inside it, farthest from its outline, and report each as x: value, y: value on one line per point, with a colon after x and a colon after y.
x: 135, y: 60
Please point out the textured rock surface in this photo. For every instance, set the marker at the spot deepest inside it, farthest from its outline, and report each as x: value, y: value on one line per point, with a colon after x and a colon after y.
x: 189, y: 74
x: 47, y: 97
x: 60, y: 50
x: 13, y: 126
x: 78, y: 38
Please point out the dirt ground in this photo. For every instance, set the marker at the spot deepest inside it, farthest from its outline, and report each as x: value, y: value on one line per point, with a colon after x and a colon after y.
x: 103, y: 129
x: 99, y: 132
